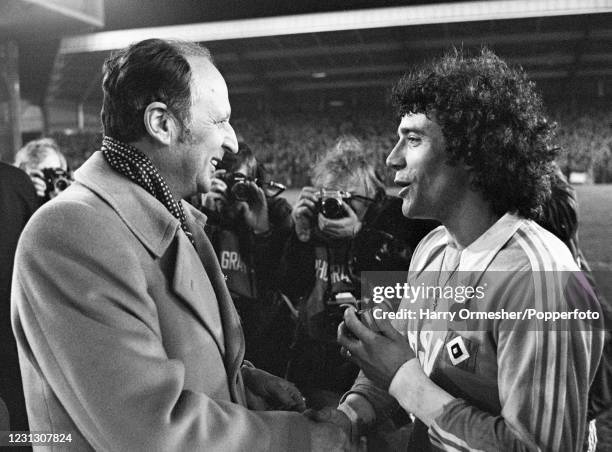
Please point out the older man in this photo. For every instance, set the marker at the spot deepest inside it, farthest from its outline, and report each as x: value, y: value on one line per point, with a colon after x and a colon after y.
x: 127, y: 335
x: 474, y: 153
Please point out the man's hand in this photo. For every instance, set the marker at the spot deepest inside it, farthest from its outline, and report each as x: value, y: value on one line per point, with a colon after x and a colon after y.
x: 255, y: 211
x: 342, y: 228
x: 328, y: 437
x: 276, y: 393
x: 378, y: 355
x: 38, y: 179
x: 333, y: 415
x: 304, y: 211
x: 216, y: 199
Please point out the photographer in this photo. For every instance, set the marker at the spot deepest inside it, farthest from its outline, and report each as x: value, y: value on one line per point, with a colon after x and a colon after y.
x: 43, y: 161
x: 248, y: 224
x: 344, y: 224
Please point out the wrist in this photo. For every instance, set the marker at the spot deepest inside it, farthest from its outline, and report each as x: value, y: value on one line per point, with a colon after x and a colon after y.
x: 417, y: 394
x: 360, y: 413
x: 355, y: 423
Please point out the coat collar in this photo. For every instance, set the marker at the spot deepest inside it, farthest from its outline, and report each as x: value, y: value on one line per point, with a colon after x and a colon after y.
x: 156, y: 228
x: 146, y: 217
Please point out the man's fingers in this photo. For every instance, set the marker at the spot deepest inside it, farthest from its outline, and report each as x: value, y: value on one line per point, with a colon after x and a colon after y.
x: 40, y: 186
x: 346, y: 339
x: 383, y: 323
x: 285, y: 397
x: 218, y: 185
x: 297, y: 400
x: 242, y: 206
x: 260, y: 197
x: 307, y: 204
x: 309, y: 194
x: 322, y: 222
x: 349, y: 210
x: 386, y: 328
x: 362, y: 332
x: 323, y: 415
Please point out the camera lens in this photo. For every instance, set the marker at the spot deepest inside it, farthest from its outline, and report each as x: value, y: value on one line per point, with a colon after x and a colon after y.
x: 241, y: 191
x: 333, y: 209
x: 61, y: 184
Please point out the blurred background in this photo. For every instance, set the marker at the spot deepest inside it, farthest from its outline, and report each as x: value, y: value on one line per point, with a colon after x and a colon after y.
x: 302, y: 73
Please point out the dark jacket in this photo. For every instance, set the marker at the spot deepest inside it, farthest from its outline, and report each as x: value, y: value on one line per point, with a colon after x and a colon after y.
x: 250, y: 263
x: 18, y: 202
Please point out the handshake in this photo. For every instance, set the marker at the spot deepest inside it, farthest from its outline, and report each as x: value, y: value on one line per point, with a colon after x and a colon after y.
x: 376, y: 347
x: 333, y: 431
x: 330, y: 429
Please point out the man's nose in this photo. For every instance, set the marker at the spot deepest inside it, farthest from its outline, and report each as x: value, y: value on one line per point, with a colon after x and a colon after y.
x: 230, y: 143
x: 395, y: 159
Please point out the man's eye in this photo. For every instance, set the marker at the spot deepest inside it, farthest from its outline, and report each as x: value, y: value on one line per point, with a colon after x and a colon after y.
x: 412, y: 140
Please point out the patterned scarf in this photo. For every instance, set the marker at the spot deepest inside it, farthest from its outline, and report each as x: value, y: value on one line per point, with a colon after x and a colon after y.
x: 136, y: 166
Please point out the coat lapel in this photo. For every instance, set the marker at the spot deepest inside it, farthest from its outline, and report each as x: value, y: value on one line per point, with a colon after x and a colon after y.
x: 192, y: 284
x: 232, y: 330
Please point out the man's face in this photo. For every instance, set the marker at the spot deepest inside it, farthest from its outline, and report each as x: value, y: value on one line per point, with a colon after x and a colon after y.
x: 209, y: 134
x: 431, y: 187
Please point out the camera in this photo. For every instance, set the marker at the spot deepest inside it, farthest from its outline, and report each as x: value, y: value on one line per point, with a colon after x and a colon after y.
x: 239, y: 190
x: 56, y: 179
x: 330, y: 203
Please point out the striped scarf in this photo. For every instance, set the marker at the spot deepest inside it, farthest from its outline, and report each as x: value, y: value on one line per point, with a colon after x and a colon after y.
x: 136, y: 166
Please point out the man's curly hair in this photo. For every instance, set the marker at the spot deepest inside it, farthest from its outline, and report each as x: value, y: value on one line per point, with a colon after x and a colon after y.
x: 492, y: 119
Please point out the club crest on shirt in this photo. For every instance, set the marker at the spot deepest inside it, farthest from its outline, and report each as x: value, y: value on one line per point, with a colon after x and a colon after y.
x: 457, y: 351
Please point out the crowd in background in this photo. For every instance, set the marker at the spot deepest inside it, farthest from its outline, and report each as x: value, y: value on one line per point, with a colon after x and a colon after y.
x: 288, y: 144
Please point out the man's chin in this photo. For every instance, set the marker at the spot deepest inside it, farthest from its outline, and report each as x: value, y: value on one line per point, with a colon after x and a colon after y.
x: 409, y: 210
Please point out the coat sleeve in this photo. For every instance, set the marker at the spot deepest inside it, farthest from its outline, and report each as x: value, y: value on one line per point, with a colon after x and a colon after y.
x: 88, y: 328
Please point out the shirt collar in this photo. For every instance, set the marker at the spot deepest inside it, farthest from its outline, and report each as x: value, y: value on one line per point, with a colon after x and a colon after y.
x: 479, y: 254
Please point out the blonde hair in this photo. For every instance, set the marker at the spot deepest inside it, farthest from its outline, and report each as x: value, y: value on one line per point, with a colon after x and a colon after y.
x: 345, y: 161
x: 35, y: 151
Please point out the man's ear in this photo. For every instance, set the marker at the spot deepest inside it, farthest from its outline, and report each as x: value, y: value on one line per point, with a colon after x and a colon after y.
x: 160, y: 123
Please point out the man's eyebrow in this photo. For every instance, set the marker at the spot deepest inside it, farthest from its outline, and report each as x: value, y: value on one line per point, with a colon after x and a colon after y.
x: 406, y: 130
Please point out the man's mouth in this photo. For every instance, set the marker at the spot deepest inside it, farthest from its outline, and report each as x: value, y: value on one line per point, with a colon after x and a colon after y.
x: 406, y: 187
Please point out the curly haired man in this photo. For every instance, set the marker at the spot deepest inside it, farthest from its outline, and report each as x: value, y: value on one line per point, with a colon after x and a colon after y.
x: 475, y: 153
